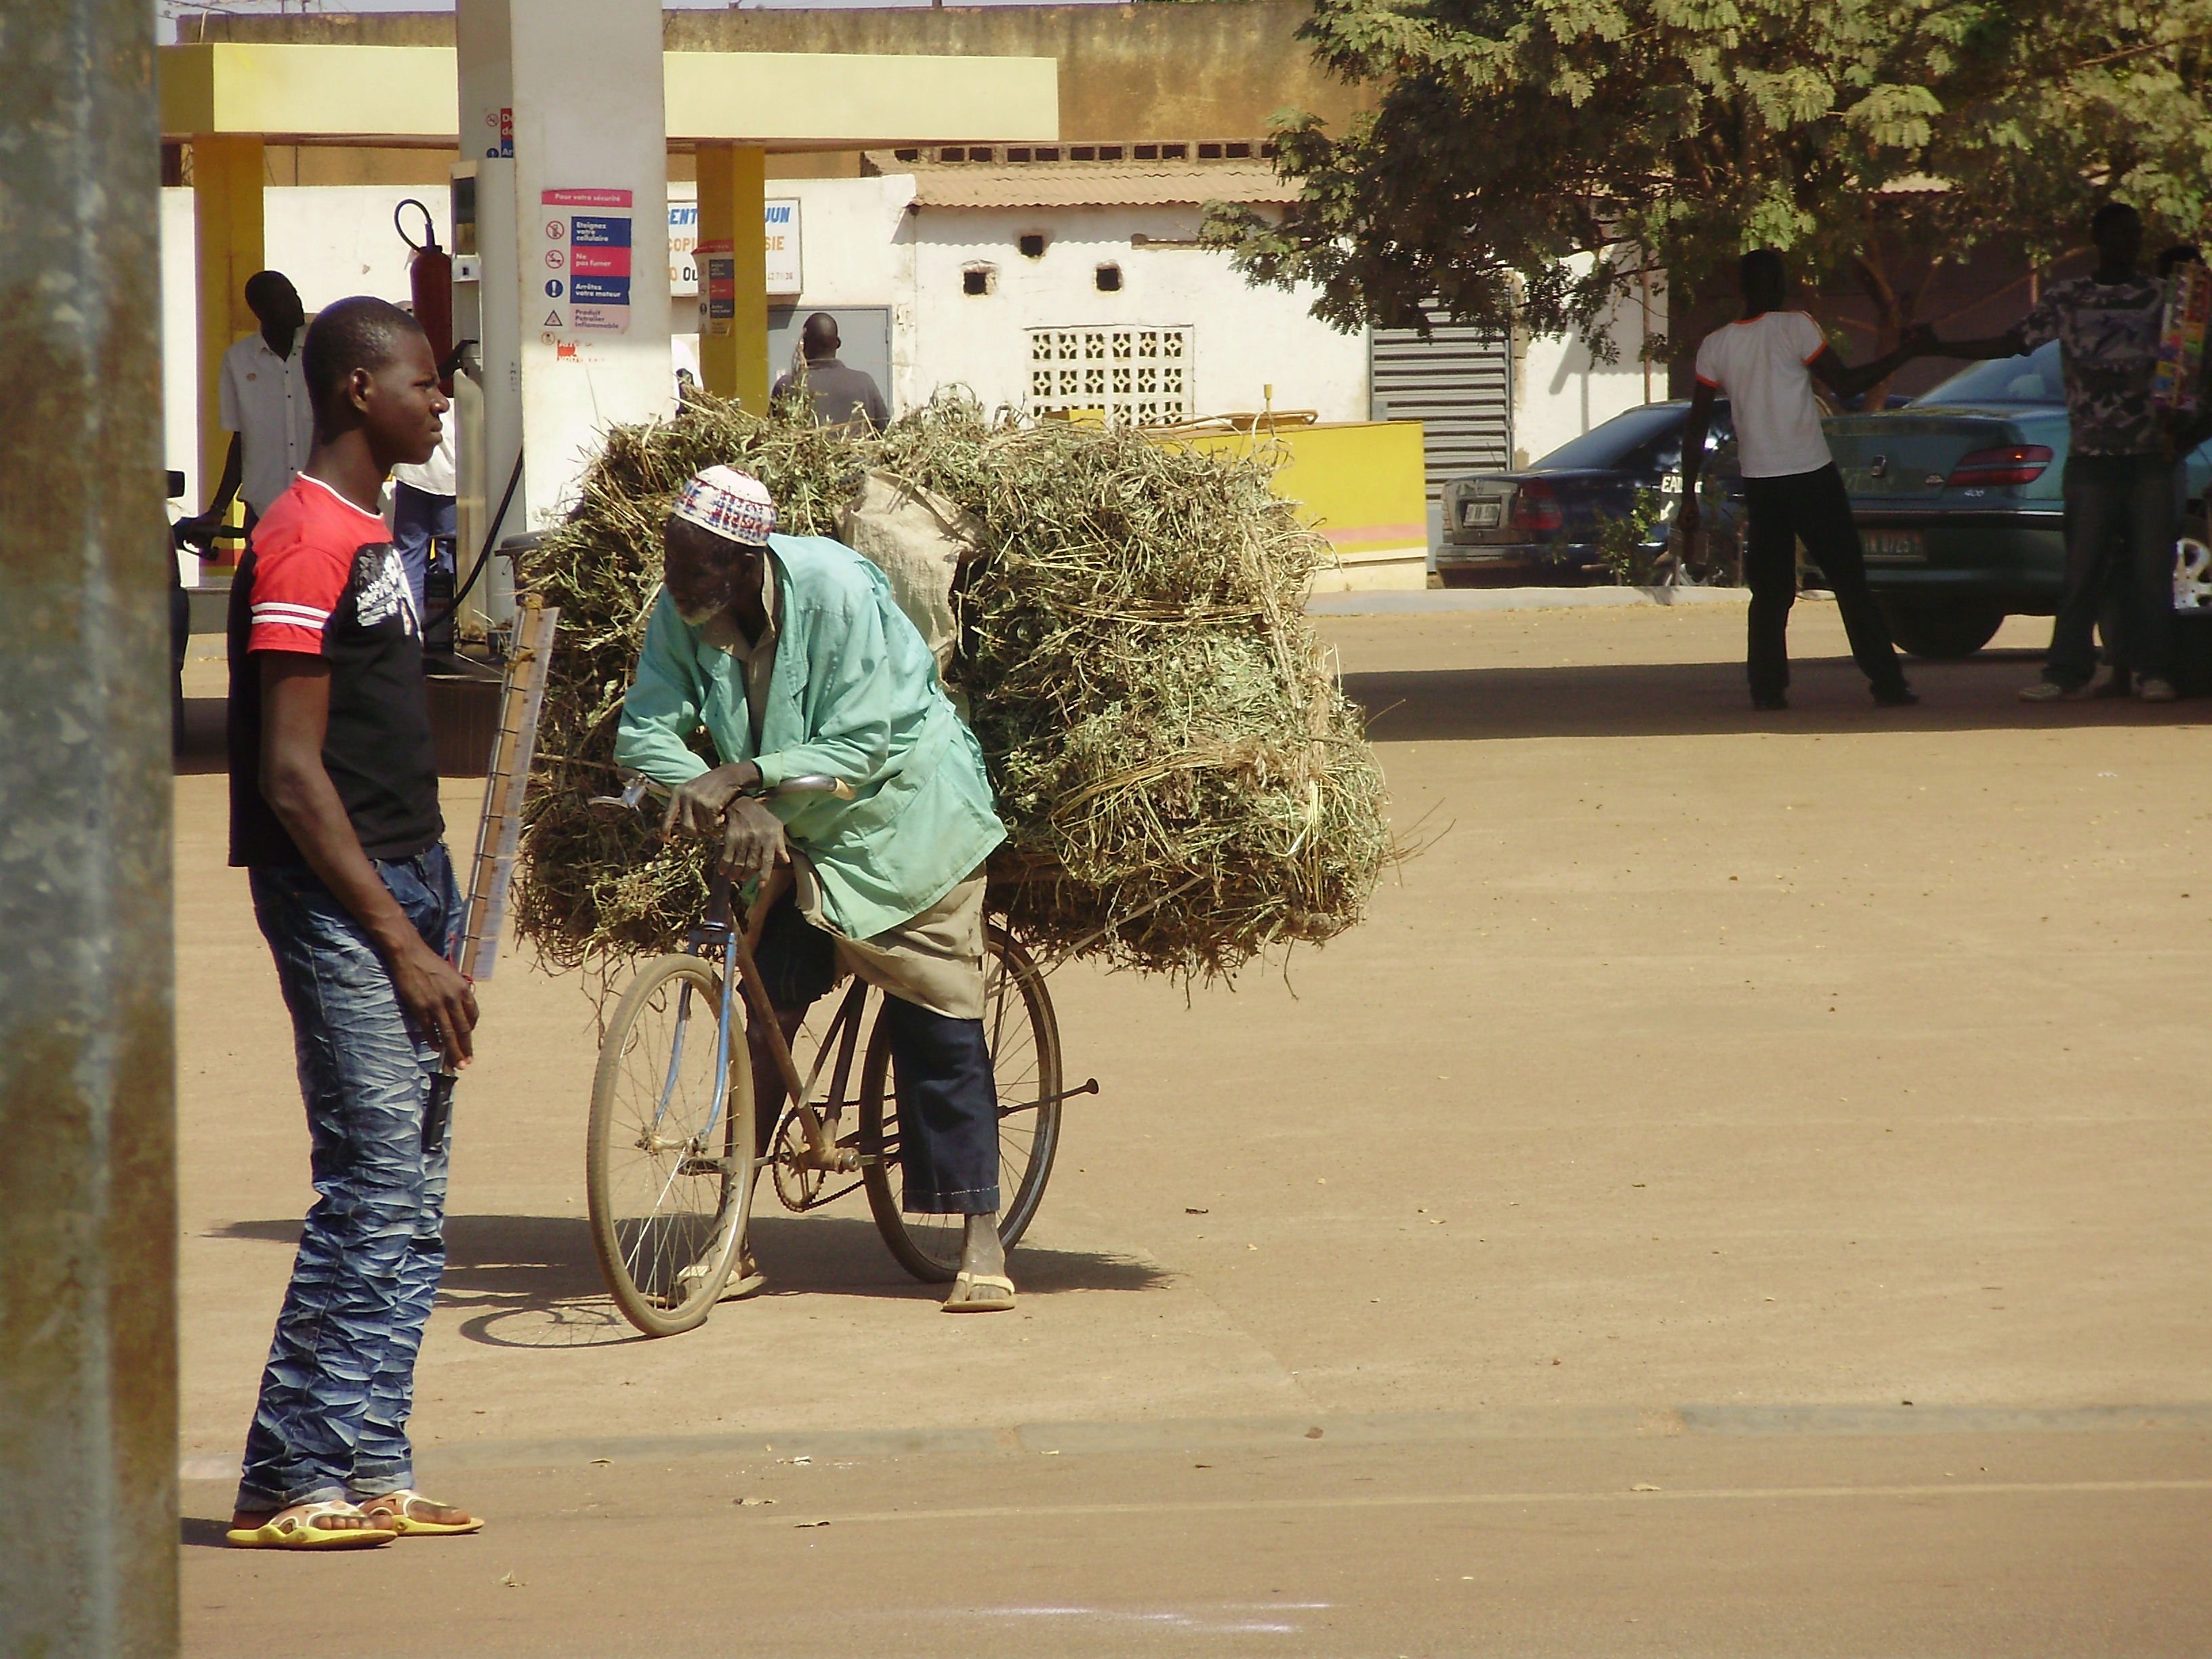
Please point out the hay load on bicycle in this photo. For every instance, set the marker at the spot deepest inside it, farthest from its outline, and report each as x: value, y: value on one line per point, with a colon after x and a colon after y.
x: 1183, y: 783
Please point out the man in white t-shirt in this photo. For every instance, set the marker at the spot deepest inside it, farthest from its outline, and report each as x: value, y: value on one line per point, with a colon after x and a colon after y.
x: 1764, y: 364
x: 264, y: 405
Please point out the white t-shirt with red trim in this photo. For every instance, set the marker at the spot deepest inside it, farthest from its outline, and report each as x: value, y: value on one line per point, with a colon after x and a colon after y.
x: 1762, y: 366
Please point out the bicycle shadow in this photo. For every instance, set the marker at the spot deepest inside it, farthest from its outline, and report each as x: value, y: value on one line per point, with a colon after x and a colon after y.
x: 531, y: 1281
x: 835, y: 1255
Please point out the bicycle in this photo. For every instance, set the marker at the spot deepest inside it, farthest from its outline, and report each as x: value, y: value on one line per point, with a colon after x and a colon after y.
x: 675, y: 1151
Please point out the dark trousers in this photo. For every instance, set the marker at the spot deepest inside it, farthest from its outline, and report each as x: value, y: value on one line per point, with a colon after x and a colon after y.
x: 417, y: 516
x: 948, y: 1095
x: 1811, y: 507
x: 948, y: 1111
x: 2121, y: 520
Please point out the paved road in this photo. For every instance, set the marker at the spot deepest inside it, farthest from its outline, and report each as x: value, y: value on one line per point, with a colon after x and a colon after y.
x: 2035, y: 1542
x: 1686, y: 1106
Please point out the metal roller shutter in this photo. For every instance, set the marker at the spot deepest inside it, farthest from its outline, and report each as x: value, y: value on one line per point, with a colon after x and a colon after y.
x: 1458, y: 383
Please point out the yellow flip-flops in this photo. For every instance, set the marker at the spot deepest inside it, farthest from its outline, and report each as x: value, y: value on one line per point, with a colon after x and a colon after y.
x: 1000, y: 1303
x: 396, y: 1510
x: 300, y: 1529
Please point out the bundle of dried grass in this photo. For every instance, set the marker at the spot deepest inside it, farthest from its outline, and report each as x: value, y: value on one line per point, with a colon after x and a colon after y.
x: 1183, y: 782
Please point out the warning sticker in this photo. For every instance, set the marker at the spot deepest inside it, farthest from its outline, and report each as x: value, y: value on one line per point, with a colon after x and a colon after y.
x: 718, y: 288
x: 587, y: 233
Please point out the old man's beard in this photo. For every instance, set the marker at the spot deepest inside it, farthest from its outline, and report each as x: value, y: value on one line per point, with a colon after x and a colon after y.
x: 705, y: 614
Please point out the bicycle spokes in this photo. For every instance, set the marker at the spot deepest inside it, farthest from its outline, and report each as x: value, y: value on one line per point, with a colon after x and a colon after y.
x: 668, y: 1169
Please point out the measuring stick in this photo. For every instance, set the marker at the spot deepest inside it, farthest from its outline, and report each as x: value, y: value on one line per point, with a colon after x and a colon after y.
x: 499, y: 833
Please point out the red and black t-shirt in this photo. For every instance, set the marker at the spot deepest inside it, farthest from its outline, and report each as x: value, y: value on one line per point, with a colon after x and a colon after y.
x: 322, y: 578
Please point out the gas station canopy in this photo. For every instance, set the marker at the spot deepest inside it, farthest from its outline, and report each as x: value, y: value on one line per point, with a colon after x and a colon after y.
x: 546, y: 100
x: 787, y: 101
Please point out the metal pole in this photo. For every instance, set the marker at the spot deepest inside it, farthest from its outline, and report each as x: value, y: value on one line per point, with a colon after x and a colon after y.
x: 87, y: 1261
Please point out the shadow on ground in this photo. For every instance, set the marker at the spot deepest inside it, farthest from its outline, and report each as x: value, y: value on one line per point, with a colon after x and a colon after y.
x: 1649, y: 700
x: 200, y: 749
x: 1637, y: 700
x: 532, y: 1281
x: 204, y: 1531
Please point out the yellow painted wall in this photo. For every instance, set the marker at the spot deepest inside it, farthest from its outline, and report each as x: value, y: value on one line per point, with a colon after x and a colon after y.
x: 814, y: 99
x: 1360, y: 484
x: 282, y: 89
x: 820, y: 98
x: 1201, y: 70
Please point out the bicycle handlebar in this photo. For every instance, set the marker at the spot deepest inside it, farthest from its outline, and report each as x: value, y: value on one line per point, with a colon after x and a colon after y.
x: 636, y: 787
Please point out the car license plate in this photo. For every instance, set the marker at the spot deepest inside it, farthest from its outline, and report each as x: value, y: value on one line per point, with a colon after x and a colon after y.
x: 1895, y: 547
x: 1480, y: 515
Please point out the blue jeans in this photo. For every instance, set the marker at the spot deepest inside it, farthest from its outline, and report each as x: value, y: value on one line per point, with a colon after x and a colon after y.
x: 417, y: 516
x: 2122, y: 518
x: 331, y: 1421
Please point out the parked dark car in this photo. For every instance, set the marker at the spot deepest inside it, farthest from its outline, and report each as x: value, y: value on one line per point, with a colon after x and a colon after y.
x: 1539, y: 525
x: 1958, y: 503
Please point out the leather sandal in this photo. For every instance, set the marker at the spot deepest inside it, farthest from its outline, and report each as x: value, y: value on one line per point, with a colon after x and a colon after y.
x: 964, y: 1280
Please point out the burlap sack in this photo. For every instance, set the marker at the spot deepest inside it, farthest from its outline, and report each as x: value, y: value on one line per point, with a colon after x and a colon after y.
x: 919, y: 540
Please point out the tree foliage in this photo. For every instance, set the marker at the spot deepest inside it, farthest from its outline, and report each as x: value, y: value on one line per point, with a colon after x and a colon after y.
x: 1528, y: 160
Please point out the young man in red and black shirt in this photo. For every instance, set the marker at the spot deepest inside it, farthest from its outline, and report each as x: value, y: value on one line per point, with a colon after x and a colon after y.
x: 334, y: 814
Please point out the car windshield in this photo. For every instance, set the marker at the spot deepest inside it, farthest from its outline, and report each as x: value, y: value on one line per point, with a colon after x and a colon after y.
x: 1612, y: 444
x: 2034, y: 379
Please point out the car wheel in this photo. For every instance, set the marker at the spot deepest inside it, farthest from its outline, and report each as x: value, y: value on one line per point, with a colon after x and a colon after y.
x: 1943, y: 629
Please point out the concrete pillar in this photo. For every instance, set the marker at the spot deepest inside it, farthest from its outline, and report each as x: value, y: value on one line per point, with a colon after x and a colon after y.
x: 87, y: 1223
x: 227, y: 174
x: 578, y: 85
x: 732, y: 203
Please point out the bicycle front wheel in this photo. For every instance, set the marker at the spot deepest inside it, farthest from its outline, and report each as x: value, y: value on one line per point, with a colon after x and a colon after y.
x: 669, y: 1163
x: 1025, y: 1042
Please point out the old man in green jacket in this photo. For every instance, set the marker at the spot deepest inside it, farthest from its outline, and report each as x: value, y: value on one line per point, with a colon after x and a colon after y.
x: 790, y: 651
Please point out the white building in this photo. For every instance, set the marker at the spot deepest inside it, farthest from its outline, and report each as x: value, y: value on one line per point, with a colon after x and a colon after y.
x: 1036, y: 283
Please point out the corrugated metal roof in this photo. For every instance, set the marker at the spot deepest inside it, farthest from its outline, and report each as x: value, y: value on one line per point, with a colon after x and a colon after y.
x: 1089, y: 185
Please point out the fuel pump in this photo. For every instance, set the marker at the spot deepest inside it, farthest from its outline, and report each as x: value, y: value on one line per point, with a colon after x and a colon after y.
x: 487, y: 412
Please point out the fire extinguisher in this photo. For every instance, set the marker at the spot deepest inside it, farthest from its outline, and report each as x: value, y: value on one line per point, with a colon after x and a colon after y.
x: 430, y: 276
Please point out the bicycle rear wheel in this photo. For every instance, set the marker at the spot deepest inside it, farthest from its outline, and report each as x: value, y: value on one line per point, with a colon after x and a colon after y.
x: 1025, y: 1042
x: 669, y: 1162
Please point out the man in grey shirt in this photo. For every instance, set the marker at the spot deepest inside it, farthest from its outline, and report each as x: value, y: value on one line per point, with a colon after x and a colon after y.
x: 840, y: 395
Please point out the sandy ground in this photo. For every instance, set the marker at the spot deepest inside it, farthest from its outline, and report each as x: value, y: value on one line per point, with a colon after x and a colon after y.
x: 1804, y: 1114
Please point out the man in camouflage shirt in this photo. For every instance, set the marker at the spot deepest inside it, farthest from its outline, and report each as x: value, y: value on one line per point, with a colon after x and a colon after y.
x: 2122, y: 501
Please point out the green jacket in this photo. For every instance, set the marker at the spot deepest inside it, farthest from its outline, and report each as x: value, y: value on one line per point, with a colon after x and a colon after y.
x: 854, y: 694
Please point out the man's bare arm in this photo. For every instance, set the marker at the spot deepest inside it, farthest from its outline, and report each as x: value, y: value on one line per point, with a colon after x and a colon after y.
x: 2011, y: 344
x: 1693, y: 456
x: 1845, y: 381
x: 202, y: 525
x: 295, y: 708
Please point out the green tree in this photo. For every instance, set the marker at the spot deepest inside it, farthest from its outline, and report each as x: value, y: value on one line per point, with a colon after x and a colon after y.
x: 1530, y: 162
